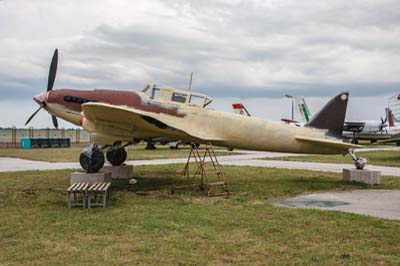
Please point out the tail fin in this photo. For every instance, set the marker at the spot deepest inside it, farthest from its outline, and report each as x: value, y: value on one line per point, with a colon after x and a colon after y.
x: 240, y: 109
x: 389, y: 117
x: 393, y: 120
x: 302, y: 109
x: 394, y: 108
x: 331, y: 116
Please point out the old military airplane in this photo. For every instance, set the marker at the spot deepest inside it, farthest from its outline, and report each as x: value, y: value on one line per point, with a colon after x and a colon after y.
x: 117, y: 118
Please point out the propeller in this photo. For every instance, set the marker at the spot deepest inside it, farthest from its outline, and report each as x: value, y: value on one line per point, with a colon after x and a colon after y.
x: 55, y: 122
x: 383, y: 124
x: 50, y: 84
x: 30, y: 118
x: 52, y: 71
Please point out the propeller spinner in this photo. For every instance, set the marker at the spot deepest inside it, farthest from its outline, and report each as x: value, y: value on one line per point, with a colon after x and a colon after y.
x: 41, y: 99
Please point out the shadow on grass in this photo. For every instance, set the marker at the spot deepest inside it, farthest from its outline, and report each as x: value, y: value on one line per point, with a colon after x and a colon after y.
x: 257, y: 184
x: 145, y: 184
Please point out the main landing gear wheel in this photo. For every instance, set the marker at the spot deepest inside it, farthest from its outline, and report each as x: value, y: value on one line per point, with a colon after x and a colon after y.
x: 116, y: 156
x: 150, y: 146
x: 91, y: 159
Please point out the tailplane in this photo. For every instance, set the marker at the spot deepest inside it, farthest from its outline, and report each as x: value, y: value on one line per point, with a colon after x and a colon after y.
x: 331, y: 116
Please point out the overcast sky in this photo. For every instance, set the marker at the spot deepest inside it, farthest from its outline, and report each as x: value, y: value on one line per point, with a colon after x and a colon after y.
x: 254, y: 52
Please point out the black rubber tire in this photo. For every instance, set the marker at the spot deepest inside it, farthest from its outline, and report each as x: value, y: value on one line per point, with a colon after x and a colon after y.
x: 150, y: 146
x: 91, y: 159
x: 116, y: 156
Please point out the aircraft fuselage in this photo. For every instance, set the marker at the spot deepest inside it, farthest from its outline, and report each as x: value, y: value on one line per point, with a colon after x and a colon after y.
x: 230, y: 130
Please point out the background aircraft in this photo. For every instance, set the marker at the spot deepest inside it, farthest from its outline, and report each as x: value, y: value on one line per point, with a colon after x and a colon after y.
x: 372, y: 130
x: 116, y: 119
x: 239, y: 109
x: 393, y: 114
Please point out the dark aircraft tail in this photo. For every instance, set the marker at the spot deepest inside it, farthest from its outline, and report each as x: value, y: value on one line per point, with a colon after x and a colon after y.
x: 331, y: 116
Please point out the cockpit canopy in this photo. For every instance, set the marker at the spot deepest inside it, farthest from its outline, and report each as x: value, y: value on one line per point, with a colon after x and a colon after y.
x: 176, y: 96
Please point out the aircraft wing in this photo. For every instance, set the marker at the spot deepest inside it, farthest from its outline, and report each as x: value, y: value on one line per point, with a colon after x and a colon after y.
x: 143, y: 121
x: 327, y: 142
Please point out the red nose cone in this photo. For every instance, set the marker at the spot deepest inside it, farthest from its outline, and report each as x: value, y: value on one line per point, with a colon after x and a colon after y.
x: 41, y: 98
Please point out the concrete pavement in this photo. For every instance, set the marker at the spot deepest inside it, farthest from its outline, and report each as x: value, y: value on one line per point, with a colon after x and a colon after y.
x: 371, y: 202
x: 247, y: 158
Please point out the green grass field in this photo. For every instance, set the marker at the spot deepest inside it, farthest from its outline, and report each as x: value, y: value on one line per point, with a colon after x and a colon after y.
x: 189, y: 228
x: 72, y: 154
x: 384, y: 158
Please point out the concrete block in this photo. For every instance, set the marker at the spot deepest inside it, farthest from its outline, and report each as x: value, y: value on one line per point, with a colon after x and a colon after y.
x: 90, y: 178
x: 119, y: 172
x: 366, y: 176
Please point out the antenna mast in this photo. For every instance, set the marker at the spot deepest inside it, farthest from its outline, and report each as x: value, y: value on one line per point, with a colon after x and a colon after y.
x: 190, y: 82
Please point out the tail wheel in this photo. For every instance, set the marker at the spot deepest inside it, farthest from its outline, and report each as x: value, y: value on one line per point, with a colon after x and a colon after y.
x: 116, y: 156
x: 91, y: 159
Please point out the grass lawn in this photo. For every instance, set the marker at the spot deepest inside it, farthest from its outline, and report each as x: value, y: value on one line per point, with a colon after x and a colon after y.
x: 189, y: 228
x: 384, y: 158
x: 72, y: 154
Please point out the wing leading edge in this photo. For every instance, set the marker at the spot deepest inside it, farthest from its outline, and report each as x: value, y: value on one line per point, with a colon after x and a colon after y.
x: 143, y: 121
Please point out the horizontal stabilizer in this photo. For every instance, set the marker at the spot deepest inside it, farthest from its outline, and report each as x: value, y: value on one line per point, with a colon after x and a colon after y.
x: 328, y: 142
x: 331, y: 116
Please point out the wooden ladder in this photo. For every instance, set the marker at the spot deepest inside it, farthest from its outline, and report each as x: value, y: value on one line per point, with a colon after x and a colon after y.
x: 219, y: 188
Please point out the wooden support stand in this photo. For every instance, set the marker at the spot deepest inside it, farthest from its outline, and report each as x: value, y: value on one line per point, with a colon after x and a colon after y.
x: 85, y: 195
x: 219, y: 188
x: 78, y: 193
x: 98, y: 193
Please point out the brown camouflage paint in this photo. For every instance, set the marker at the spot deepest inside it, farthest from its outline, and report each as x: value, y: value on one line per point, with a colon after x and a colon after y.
x: 114, y: 97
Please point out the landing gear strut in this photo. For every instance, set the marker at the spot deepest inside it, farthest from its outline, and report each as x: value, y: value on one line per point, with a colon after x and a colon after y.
x: 359, y: 162
x: 116, y: 155
x: 92, y: 159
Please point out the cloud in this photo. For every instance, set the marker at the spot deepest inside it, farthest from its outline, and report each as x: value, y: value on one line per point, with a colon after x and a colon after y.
x: 251, y: 49
x: 239, y: 49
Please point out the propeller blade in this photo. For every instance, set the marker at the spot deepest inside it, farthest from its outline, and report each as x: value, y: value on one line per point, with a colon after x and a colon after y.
x: 30, y: 118
x: 52, y: 71
x: 55, y: 122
